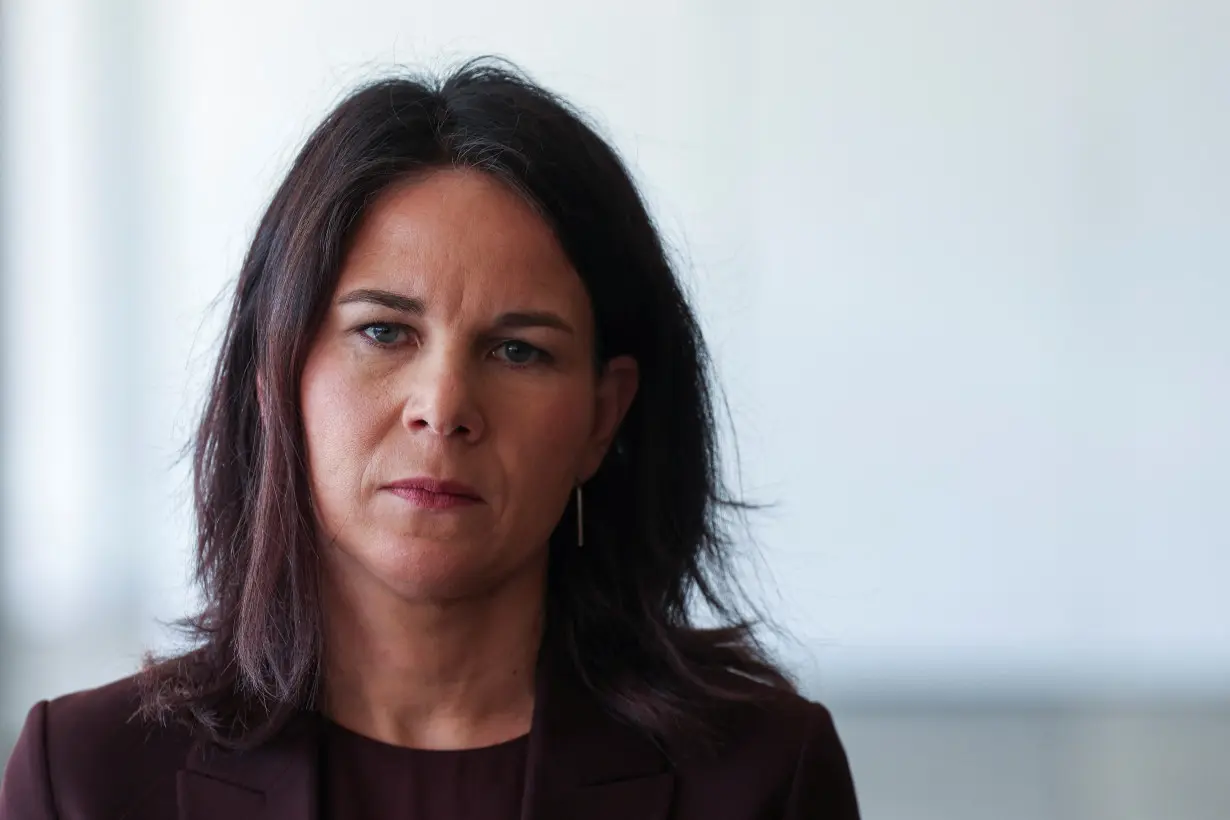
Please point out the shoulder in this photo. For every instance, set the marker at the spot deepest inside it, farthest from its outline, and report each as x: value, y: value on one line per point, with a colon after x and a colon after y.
x: 779, y: 753
x: 90, y: 753
x: 106, y: 723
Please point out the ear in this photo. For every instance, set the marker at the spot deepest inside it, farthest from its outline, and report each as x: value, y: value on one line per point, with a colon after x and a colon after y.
x: 616, y: 389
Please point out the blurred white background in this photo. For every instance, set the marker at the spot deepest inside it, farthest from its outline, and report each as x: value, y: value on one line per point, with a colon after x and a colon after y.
x: 965, y: 268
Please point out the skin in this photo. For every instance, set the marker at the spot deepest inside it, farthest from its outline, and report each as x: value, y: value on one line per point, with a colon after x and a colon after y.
x: 433, y: 617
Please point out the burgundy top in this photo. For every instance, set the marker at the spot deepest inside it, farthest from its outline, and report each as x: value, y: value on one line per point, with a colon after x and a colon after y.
x: 365, y: 779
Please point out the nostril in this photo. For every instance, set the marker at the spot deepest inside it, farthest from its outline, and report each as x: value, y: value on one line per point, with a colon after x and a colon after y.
x: 442, y: 429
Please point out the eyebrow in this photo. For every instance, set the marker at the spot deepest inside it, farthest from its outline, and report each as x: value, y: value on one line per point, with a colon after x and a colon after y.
x: 534, y: 318
x: 385, y: 298
x: 416, y: 307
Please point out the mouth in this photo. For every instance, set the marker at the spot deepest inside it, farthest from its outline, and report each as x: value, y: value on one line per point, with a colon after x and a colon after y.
x: 431, y: 493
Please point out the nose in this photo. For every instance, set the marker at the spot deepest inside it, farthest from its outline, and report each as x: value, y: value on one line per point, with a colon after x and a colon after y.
x: 442, y: 401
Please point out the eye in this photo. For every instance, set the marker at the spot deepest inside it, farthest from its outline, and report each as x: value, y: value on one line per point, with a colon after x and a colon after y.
x: 520, y: 353
x: 383, y: 334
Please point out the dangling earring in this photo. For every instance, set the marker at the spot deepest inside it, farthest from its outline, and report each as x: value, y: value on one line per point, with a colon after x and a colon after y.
x: 580, y: 519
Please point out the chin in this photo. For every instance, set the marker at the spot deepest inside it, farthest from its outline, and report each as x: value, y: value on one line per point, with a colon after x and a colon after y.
x: 417, y: 569
x: 423, y: 570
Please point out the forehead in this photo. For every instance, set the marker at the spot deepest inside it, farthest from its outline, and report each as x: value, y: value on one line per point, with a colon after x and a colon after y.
x: 461, y: 238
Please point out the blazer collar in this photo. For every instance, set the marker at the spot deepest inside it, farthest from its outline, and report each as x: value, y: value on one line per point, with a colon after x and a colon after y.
x: 582, y: 762
x: 586, y: 763
x: 278, y: 780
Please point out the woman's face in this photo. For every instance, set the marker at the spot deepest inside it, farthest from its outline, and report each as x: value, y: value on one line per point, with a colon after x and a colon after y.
x: 457, y: 347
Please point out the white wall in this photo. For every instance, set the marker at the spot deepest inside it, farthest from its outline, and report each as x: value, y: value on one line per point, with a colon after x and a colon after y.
x: 964, y: 267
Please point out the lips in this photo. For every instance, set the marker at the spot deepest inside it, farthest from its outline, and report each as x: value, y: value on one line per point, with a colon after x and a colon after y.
x: 433, y: 492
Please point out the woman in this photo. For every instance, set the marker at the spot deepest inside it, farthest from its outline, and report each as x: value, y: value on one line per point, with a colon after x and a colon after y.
x: 457, y: 498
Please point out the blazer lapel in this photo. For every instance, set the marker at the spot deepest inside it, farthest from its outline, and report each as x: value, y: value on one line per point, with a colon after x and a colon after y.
x: 583, y: 762
x: 275, y: 781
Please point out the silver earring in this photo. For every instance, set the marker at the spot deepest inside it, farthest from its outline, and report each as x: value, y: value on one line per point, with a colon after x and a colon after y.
x: 580, y: 519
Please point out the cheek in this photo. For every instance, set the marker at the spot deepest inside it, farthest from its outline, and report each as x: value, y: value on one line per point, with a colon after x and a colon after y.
x: 540, y: 443
x: 549, y: 437
x: 340, y: 423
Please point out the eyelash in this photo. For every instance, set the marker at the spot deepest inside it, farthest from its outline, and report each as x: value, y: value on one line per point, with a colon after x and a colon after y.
x: 541, y: 356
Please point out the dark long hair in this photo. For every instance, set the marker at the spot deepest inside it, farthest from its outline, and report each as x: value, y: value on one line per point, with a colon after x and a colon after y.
x: 658, y: 521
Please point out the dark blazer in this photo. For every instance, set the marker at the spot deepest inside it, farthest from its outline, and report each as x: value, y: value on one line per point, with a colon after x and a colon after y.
x: 85, y: 756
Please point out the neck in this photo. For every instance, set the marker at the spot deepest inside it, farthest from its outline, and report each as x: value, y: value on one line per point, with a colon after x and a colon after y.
x: 431, y: 674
